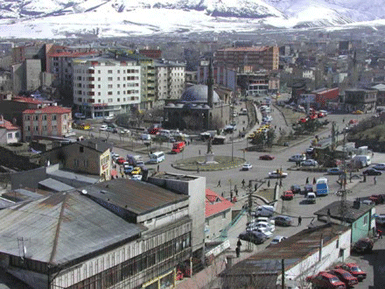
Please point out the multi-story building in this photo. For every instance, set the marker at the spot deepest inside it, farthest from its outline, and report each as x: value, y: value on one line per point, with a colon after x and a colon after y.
x: 248, y: 58
x: 26, y: 75
x: 258, y: 83
x: 106, y: 86
x: 360, y: 99
x: 47, y: 121
x: 170, y: 79
x: 222, y: 76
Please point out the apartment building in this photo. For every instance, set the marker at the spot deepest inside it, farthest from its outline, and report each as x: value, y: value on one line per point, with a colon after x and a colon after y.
x: 222, y: 75
x: 9, y: 133
x: 106, y: 86
x: 47, y: 121
x: 245, y: 59
x: 170, y: 81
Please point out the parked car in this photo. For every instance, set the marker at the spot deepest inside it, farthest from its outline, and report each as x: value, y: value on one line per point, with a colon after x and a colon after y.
x: 377, y: 199
x: 345, y: 277
x: 276, y: 240
x: 287, y: 196
x: 136, y: 177
x: 308, y: 188
x: 380, y: 167
x: 296, y: 189
x: 325, y: 280
x: 380, y: 220
x: 128, y: 169
x: 252, y: 236
x: 264, y: 231
x: 353, y: 121
x: 311, y: 198
x: 103, y: 127
x: 353, y: 269
x: 267, y: 157
x: 120, y: 160
x: 357, y: 112
x: 334, y: 171
x: 309, y: 163
x: 297, y: 158
x: 136, y: 171
x: 372, y: 172
x: 363, y: 245
x: 277, y: 174
x: 247, y: 167
x: 284, y: 221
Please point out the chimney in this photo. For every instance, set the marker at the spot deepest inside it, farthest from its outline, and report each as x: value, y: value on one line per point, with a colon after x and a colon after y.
x: 210, y: 85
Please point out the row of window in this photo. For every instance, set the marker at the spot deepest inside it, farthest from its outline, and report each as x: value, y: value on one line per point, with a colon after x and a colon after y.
x: 45, y: 128
x: 80, y: 85
x: 110, y: 71
x: 109, y: 100
x: 41, y: 117
x: 128, y: 78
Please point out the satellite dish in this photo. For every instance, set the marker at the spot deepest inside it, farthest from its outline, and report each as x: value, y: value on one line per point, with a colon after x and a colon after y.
x: 84, y: 192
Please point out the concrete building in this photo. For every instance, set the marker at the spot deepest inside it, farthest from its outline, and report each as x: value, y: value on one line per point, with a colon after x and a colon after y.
x: 360, y: 99
x: 258, y: 83
x: 244, y: 59
x: 47, y: 121
x: 26, y: 75
x: 195, y: 188
x: 380, y: 94
x: 9, y: 133
x: 217, y: 213
x: 5, y: 81
x: 91, y: 156
x: 222, y: 75
x: 106, y: 86
x: 170, y: 80
x: 303, y: 254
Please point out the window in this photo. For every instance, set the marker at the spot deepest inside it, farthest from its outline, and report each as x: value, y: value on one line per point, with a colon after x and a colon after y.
x: 365, y: 220
x: 37, y: 128
x: 110, y: 100
x: 28, y: 128
x: 76, y: 163
x: 224, y: 215
x: 54, y: 117
x: 110, y: 93
x: 109, y: 71
x: 44, y: 117
x: 9, y: 135
x: 36, y: 117
x: 109, y: 79
x: 27, y: 117
x: 81, y: 149
x: 110, y: 86
x: 337, y: 244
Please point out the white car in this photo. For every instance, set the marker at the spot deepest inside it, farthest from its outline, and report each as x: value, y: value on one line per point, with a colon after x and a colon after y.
x: 260, y: 225
x: 277, y: 175
x: 268, y: 233
x: 297, y: 158
x: 380, y: 167
x: 309, y: 163
x: 103, y: 127
x: 136, y: 177
x: 247, y: 167
x: 277, y: 239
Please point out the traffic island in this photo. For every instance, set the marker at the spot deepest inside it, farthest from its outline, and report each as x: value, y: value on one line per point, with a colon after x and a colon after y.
x: 199, y: 164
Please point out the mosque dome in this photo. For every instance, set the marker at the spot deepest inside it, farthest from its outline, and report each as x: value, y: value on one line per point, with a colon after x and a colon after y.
x: 198, y: 94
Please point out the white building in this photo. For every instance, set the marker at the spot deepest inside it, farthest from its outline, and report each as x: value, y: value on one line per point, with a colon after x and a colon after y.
x: 170, y: 79
x: 106, y: 86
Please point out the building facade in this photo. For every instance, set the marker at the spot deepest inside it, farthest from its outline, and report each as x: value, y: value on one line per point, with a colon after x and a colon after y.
x: 47, y: 121
x: 9, y: 133
x: 360, y: 99
x: 170, y: 79
x: 223, y: 76
x: 248, y: 58
x: 106, y: 86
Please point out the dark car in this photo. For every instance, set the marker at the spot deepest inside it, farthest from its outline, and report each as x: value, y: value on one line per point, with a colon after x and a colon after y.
x: 253, y: 236
x: 308, y: 188
x: 363, y: 245
x: 353, y: 269
x: 345, y: 277
x: 377, y: 199
x: 325, y: 280
x: 372, y: 172
x: 266, y: 157
x: 288, y: 195
x: 284, y: 221
x: 296, y: 189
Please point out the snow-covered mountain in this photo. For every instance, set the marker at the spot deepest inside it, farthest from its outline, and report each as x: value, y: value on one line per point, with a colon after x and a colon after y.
x: 107, y: 18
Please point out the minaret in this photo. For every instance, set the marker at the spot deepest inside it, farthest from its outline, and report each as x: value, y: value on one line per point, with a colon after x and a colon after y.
x: 210, y: 85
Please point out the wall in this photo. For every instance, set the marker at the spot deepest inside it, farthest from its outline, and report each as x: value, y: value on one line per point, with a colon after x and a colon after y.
x: 32, y: 74
x: 216, y: 223
x: 361, y: 227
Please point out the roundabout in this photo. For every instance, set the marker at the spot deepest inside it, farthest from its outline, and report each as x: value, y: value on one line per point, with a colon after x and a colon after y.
x: 198, y: 163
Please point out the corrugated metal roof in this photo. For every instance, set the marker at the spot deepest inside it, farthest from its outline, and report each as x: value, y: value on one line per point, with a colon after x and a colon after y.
x: 292, y: 250
x: 61, y: 227
x: 136, y: 197
x: 55, y: 185
x: 73, y: 176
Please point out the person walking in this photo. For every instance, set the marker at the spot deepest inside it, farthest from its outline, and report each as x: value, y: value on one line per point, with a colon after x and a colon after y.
x: 307, y: 180
x: 239, y: 243
x: 299, y: 221
x: 243, y: 183
x: 219, y: 183
x: 314, y: 181
x: 238, y: 251
x: 375, y: 180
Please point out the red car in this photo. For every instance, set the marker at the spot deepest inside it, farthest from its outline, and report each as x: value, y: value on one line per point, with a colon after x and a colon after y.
x: 120, y: 160
x: 303, y: 120
x: 345, y: 277
x: 321, y: 115
x: 325, y: 280
x: 266, y: 157
x: 288, y: 195
x: 313, y: 116
x: 353, y: 269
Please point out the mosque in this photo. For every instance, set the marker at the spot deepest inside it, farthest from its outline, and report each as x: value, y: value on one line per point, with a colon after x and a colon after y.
x: 201, y: 107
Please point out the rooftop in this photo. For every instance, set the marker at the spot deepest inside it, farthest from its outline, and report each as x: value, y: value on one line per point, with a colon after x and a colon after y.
x: 137, y: 197
x: 256, y: 48
x: 61, y: 228
x: 49, y: 109
x: 292, y: 250
x: 72, y: 54
x: 8, y: 125
x: 96, y: 144
x: 344, y: 211
x: 215, y: 203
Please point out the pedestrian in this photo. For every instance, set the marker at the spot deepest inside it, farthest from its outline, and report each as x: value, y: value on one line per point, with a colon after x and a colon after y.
x: 280, y: 182
x: 268, y: 183
x: 239, y: 243
x: 255, y: 187
x: 198, y: 170
x: 222, y: 194
x: 231, y: 196
x: 237, y: 251
x: 236, y: 192
x: 314, y: 181
x: 299, y: 220
x: 307, y: 180
x: 364, y: 178
x: 375, y: 180
x: 157, y: 168
x: 243, y: 182
x: 199, y: 152
x: 219, y: 183
x: 379, y: 234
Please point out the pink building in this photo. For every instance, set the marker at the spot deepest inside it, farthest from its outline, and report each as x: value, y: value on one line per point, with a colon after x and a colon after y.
x: 47, y: 121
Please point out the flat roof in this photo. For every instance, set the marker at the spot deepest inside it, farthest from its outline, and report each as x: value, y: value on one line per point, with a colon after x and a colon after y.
x: 136, y: 197
x: 344, y: 210
x: 61, y: 228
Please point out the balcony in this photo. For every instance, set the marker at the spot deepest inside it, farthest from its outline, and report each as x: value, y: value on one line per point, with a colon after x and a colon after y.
x: 91, y: 78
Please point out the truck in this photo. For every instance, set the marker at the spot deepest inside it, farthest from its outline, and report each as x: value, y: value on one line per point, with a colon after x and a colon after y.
x: 135, y: 160
x: 178, y: 147
x: 361, y: 161
x: 219, y: 139
x: 321, y: 187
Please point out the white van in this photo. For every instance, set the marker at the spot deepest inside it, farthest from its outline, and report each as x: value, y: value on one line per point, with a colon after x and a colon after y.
x: 362, y: 160
x: 311, y: 198
x: 264, y: 211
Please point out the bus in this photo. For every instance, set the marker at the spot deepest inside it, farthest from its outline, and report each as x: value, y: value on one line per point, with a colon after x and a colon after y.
x: 321, y: 186
x: 157, y: 157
